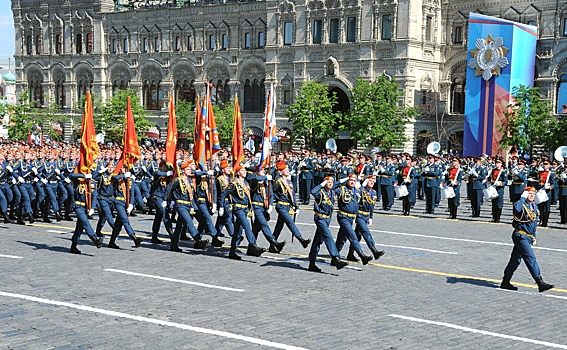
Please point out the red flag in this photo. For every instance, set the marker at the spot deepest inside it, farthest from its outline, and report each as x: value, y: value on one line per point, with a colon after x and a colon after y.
x: 214, y: 140
x: 89, y: 147
x: 171, y: 143
x: 200, y: 133
x: 237, y: 137
x: 131, y: 151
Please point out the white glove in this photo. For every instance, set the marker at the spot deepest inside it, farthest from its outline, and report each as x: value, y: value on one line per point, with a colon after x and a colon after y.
x: 91, y: 212
x: 343, y: 180
x: 563, y: 176
x: 133, y: 177
x: 34, y: 169
x: 144, y: 168
x: 525, y: 194
x: 35, y: 179
x: 171, y: 204
x: 474, y: 173
x: 44, y: 181
x: 357, y: 185
x: 56, y: 170
x: 547, y: 186
x: 292, y: 173
x: 426, y: 170
x: 163, y: 204
x: 127, y: 174
x: 14, y: 181
x: 270, y: 208
x: 370, y: 222
x: 67, y: 180
x: 130, y: 208
x: 103, y: 169
x: 210, y: 172
x: 9, y: 168
x: 484, y: 181
x: 169, y: 173
x: 88, y: 176
x: 269, y: 177
x: 365, y: 182
x: 297, y: 211
x: 21, y: 179
x: 324, y: 183
x: 214, y: 209
x: 221, y: 211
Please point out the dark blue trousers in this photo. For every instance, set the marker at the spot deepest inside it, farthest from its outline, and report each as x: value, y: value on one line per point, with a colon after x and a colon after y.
x: 322, y: 235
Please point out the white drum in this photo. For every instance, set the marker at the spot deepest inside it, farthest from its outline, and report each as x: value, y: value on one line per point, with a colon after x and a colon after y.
x: 447, y: 192
x: 490, y: 193
x: 541, y: 196
x: 401, y: 191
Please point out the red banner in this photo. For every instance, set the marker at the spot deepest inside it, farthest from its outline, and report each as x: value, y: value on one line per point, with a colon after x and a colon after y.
x: 131, y: 151
x: 89, y: 147
x: 171, y: 143
x: 237, y: 136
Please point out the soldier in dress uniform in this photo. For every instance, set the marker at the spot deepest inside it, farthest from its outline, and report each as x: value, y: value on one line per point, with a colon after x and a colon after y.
x: 478, y: 175
x: 431, y: 173
x: 453, y: 178
x: 158, y: 195
x: 324, y: 198
x: 81, y: 206
x: 519, y: 177
x: 205, y: 192
x: 182, y: 193
x: 222, y: 183
x: 292, y: 164
x: 497, y: 179
x: 388, y: 173
x: 407, y: 177
x: 547, y: 182
x: 365, y: 216
x: 50, y: 180
x: 305, y: 168
x: 105, y: 196
x: 562, y: 193
x: 525, y: 225
x: 345, y: 168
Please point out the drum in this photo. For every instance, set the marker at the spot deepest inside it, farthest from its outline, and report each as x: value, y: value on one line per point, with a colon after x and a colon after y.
x: 401, y: 191
x: 490, y: 193
x: 447, y: 192
x: 541, y: 196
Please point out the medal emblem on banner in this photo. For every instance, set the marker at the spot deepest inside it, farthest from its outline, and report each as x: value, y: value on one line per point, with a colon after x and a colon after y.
x: 488, y: 57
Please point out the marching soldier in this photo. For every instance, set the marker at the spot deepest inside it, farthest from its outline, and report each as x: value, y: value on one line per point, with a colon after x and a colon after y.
x: 324, y: 198
x: 453, y: 179
x: 562, y: 192
x: 158, y: 196
x: 519, y: 177
x: 305, y: 168
x: 525, y: 224
x: 81, y: 206
x: 387, y: 173
x: 223, y: 181
x: 407, y: 177
x: 478, y: 175
x: 547, y: 182
x: 345, y: 168
x: 497, y: 176
x: 365, y: 215
x: 430, y: 173
x: 105, y: 197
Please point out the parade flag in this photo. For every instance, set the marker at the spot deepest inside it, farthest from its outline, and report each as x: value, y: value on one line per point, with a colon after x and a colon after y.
x: 200, y: 132
x: 270, y: 129
x: 197, y: 147
x: 89, y: 147
x: 237, y: 136
x: 213, y: 137
x: 501, y: 56
x: 131, y: 151
x: 171, y: 142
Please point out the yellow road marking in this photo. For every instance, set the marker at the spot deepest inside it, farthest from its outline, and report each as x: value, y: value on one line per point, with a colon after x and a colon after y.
x: 393, y: 267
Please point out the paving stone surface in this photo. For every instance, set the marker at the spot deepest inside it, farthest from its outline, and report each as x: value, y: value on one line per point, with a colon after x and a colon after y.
x: 435, y: 288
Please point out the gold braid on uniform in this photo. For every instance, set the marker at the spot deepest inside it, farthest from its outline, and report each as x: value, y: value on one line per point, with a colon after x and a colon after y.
x: 346, y: 198
x: 367, y: 198
x: 526, y: 213
x: 324, y: 198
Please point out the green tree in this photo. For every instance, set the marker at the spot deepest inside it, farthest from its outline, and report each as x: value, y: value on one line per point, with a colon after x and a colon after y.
x: 529, y: 121
x: 185, y: 113
x: 224, y: 116
x: 312, y: 115
x: 25, y: 117
x: 376, y: 117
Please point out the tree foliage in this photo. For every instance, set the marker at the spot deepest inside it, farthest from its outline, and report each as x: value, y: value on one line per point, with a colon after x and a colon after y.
x: 312, y: 115
x: 26, y: 117
x: 185, y: 113
x: 529, y: 121
x: 224, y: 116
x: 376, y: 117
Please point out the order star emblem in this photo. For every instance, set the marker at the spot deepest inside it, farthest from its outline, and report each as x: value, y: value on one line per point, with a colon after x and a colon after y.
x: 488, y: 57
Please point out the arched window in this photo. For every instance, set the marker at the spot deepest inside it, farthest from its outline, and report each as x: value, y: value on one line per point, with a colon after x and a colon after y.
x: 458, y: 96
x: 79, y: 43
x: 177, y: 43
x: 119, y: 85
x: 58, y: 44
x: 254, y: 95
x: 84, y: 83
x: 60, y: 95
x: 151, y: 93
x: 247, y: 95
x: 89, y: 42
x: 35, y: 84
x: 185, y: 90
x: 38, y: 44
x: 562, y: 95
x: 29, y: 45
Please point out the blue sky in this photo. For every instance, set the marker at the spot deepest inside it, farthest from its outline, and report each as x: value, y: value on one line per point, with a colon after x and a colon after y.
x: 6, y: 29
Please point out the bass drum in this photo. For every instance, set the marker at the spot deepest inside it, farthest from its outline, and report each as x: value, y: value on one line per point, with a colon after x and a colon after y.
x: 401, y: 191
x: 541, y: 196
x: 447, y: 192
x: 490, y: 193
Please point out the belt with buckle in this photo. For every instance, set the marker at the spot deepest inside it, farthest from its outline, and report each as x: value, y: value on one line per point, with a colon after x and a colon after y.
x: 183, y: 202
x: 240, y: 206
x: 282, y: 203
x: 201, y: 199
x: 109, y: 197
x: 258, y: 203
x: 80, y: 203
x: 324, y: 216
x: 347, y: 214
x: 364, y: 212
x: 121, y: 198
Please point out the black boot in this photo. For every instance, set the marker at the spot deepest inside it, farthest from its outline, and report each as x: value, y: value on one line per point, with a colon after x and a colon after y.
x: 544, y: 219
x: 217, y: 242
x: 31, y: 218
x: 506, y: 283
x: 542, y: 286
x: 201, y: 243
x: 58, y: 216
x: 137, y: 240
x: 98, y: 231
x: 112, y: 244
x: 12, y: 216
x: 232, y: 254
x: 275, y: 246
x: 97, y: 241
x: 183, y: 236
x: 74, y: 249
x: 313, y: 267
x: 20, y: 221
x: 338, y: 263
x: 156, y: 240
x: 68, y: 217
x: 377, y: 253
x: 254, y: 250
x: 6, y: 219
x: 455, y: 212
x: 364, y: 258
x: 351, y: 256
x: 498, y: 214
x: 493, y: 215
x: 304, y: 242
x: 46, y: 217
x: 175, y: 248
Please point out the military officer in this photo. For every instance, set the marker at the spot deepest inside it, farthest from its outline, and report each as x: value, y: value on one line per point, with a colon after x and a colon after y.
x: 222, y: 183
x: 407, y: 177
x: 453, y: 178
x: 81, y: 206
x: 306, y: 168
x: 365, y: 216
x: 105, y: 197
x: 519, y: 177
x: 431, y: 173
x: 497, y: 179
x: 387, y: 173
x: 547, y: 182
x: 478, y: 175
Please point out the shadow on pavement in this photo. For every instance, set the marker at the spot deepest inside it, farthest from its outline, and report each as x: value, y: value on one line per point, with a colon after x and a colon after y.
x: 481, y: 283
x: 40, y: 246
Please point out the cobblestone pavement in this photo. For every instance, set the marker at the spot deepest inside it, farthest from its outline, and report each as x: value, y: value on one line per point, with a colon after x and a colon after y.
x: 435, y: 288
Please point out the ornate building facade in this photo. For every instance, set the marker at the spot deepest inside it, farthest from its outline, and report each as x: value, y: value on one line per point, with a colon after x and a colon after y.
x: 66, y: 47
